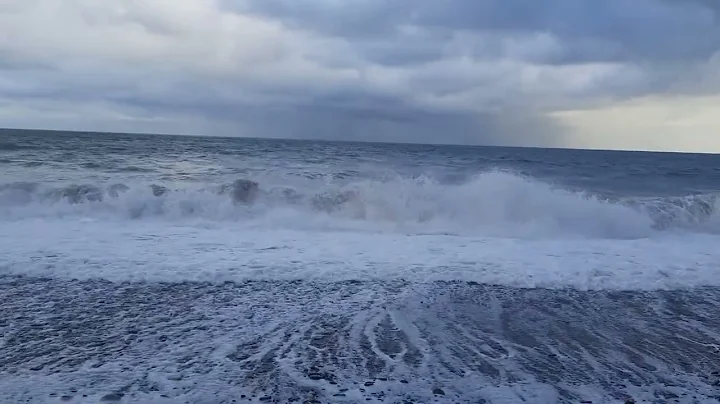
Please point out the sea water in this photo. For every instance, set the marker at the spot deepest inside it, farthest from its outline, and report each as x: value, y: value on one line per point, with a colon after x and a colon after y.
x: 138, y: 268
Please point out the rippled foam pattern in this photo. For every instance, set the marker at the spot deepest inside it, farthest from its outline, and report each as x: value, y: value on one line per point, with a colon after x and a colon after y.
x: 193, y: 270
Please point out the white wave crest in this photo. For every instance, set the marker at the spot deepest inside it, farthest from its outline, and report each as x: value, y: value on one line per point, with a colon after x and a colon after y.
x: 490, y: 204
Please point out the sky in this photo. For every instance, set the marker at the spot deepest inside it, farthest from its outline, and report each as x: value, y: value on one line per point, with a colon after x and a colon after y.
x: 640, y: 74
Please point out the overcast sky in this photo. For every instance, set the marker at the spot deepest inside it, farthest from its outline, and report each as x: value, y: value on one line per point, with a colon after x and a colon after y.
x: 638, y: 74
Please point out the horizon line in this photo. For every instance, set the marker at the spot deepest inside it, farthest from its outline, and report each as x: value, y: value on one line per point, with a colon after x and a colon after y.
x: 104, y: 132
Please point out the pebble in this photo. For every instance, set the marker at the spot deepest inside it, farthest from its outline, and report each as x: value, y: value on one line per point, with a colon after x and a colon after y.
x: 438, y: 392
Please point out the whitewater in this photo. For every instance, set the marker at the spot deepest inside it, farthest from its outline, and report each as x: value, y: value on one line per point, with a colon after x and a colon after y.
x: 179, y: 269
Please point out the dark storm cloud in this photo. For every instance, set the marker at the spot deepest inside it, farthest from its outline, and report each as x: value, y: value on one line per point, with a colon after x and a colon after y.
x: 350, y: 113
x: 655, y: 30
x: 354, y: 117
x: 405, y: 124
x: 455, y: 71
x: 369, y: 18
x: 670, y: 41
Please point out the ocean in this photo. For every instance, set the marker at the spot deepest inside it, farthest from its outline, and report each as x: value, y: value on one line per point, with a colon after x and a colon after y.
x: 171, y: 269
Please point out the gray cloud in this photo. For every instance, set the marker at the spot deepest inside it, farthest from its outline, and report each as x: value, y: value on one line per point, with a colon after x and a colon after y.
x: 671, y: 41
x: 346, y: 115
x: 460, y: 71
x: 591, y: 30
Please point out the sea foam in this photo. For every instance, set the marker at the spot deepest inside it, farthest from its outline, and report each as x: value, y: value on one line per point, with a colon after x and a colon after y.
x: 497, y: 228
x: 490, y: 204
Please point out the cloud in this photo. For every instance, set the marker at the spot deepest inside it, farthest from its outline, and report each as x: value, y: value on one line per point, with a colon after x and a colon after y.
x: 590, y: 30
x: 461, y: 71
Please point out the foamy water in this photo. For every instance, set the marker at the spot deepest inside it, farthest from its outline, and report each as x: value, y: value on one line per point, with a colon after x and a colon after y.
x: 496, y: 228
x: 151, y: 269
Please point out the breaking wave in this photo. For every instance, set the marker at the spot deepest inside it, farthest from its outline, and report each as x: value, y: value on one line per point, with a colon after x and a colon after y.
x: 493, y: 203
